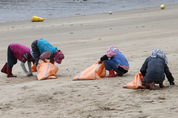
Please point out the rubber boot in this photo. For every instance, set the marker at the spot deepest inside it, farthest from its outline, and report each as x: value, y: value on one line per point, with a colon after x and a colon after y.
x: 161, y: 85
x: 119, y: 74
x: 111, y: 73
x: 4, y: 69
x: 150, y: 86
x: 9, y: 73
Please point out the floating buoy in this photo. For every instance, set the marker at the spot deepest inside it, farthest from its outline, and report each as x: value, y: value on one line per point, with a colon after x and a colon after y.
x: 110, y: 12
x: 162, y: 6
x: 37, y: 19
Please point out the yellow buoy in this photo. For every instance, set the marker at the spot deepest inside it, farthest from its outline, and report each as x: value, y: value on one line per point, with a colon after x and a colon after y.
x: 37, y: 19
x: 162, y: 6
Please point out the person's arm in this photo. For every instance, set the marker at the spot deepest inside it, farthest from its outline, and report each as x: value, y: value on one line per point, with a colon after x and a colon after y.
x: 23, y: 66
x: 29, y: 66
x: 144, y: 67
x: 104, y: 57
x: 25, y: 70
x: 24, y: 59
x: 45, y: 55
x: 169, y: 75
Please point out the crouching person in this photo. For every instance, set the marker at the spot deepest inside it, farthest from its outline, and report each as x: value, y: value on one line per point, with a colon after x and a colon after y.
x: 114, y: 60
x: 154, y: 69
x: 22, y: 53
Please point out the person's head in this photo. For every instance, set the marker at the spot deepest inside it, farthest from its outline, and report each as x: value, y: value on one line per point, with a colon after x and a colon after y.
x: 159, y: 53
x: 58, y: 56
x: 112, y: 48
x: 111, y: 51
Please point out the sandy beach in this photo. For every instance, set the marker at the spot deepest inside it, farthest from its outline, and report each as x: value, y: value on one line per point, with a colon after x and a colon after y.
x: 83, y: 40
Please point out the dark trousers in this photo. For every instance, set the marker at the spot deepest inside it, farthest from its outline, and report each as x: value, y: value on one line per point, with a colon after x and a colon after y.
x: 111, y: 65
x: 11, y: 60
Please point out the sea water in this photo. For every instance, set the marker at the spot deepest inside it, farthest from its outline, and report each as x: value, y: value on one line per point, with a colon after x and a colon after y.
x: 20, y: 10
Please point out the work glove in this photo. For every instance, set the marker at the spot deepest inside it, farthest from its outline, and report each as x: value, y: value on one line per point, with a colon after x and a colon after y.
x: 170, y: 79
x: 104, y: 57
x: 172, y: 83
x: 29, y: 74
x: 99, y: 62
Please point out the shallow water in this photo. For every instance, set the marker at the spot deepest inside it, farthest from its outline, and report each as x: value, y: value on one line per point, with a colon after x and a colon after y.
x: 19, y: 10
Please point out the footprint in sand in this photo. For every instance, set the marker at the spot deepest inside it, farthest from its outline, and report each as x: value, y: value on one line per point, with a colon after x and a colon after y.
x: 25, y: 87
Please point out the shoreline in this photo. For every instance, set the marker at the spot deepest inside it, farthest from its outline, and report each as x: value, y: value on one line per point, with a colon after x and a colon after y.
x: 135, y: 9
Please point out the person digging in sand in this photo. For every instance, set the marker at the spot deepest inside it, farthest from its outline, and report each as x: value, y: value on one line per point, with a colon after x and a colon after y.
x: 114, y: 60
x: 42, y: 49
x: 154, y: 69
x: 17, y: 52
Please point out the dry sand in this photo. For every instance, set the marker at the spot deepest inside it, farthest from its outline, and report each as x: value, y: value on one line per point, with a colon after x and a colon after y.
x: 84, y: 40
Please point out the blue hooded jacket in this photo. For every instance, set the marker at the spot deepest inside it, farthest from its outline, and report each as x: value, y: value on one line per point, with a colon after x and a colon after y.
x: 45, y: 46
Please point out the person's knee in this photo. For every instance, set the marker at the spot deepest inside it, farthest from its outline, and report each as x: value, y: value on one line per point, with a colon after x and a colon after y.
x: 106, y: 62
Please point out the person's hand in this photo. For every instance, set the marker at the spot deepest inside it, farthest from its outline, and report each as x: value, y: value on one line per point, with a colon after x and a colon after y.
x: 172, y: 83
x: 29, y: 74
x: 104, y: 57
x: 99, y: 62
